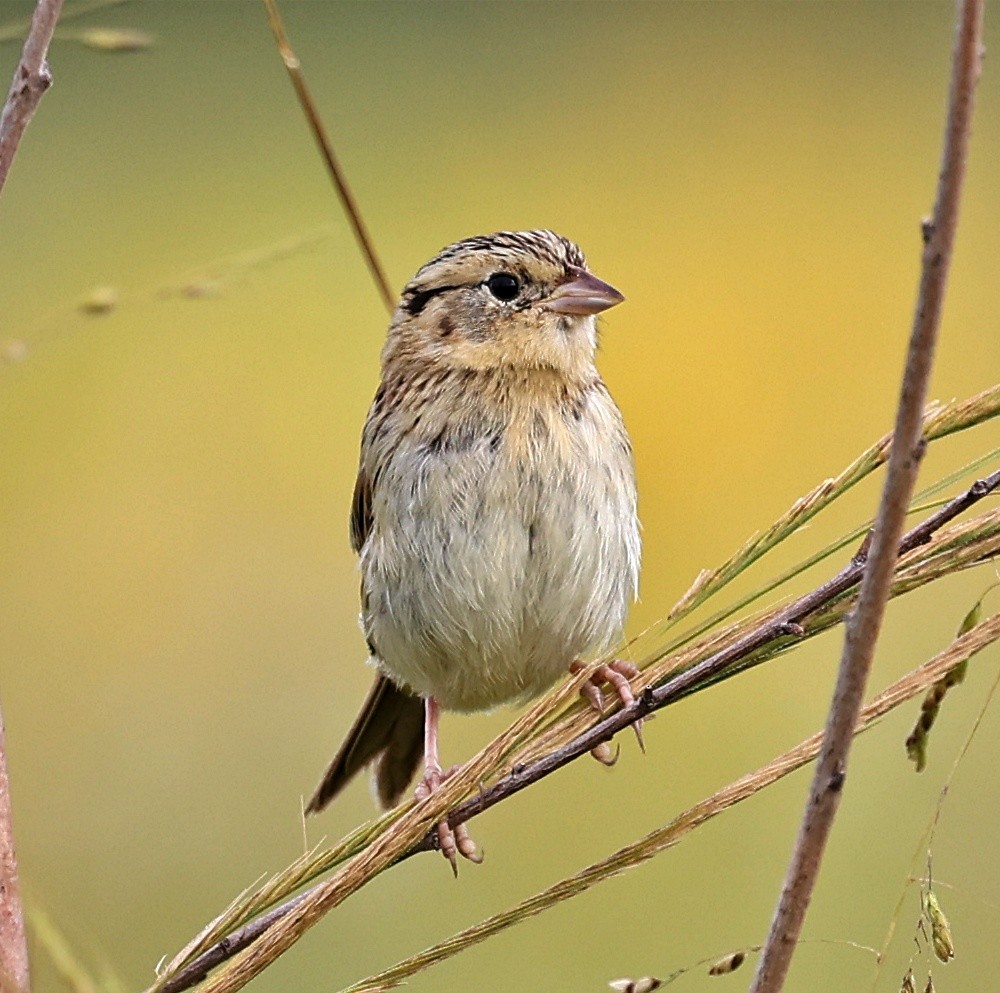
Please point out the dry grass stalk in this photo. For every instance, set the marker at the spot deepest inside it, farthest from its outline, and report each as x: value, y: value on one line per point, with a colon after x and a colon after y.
x: 940, y: 420
x: 350, y: 205
x: 550, y: 722
x: 905, y: 455
x: 953, y: 549
x: 670, y: 834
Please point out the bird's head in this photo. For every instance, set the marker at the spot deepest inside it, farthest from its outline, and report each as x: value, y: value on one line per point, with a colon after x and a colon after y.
x: 516, y: 299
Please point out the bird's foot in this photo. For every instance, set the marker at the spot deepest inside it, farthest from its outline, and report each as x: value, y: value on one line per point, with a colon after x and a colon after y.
x: 452, y: 841
x: 615, y: 674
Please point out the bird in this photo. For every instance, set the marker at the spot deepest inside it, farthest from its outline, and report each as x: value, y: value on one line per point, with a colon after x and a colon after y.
x: 495, y: 510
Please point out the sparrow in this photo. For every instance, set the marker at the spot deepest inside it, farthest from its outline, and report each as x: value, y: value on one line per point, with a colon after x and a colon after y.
x: 494, y: 513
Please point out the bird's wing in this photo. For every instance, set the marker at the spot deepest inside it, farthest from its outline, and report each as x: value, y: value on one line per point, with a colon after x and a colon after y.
x: 361, y: 509
x: 374, y: 451
x: 389, y: 730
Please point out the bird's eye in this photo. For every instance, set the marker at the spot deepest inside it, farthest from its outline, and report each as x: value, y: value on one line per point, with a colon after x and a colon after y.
x: 503, y: 286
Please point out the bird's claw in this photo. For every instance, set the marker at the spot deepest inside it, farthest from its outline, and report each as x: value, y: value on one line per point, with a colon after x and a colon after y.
x: 452, y: 841
x: 615, y: 674
x: 605, y: 754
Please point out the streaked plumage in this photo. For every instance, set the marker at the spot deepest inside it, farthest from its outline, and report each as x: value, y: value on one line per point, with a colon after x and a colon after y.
x: 495, y: 507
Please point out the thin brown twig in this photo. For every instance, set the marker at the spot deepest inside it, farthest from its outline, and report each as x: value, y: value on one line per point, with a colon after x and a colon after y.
x: 862, y: 628
x: 14, y: 974
x: 653, y: 699
x: 350, y: 205
x: 31, y: 79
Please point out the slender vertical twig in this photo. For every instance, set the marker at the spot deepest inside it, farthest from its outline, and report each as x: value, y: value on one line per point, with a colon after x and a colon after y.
x: 350, y: 205
x: 14, y: 976
x: 31, y: 79
x: 863, y: 626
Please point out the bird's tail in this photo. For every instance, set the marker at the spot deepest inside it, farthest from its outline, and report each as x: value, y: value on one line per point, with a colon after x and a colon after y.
x: 389, y: 731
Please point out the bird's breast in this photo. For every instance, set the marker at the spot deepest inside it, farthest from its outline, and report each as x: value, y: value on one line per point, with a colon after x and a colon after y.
x: 502, y: 547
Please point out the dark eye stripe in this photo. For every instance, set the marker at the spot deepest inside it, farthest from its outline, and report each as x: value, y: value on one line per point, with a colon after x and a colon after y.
x: 415, y: 302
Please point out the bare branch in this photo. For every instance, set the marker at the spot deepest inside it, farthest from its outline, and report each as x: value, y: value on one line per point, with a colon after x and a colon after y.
x: 862, y: 629
x: 777, y: 627
x: 31, y: 79
x: 14, y: 975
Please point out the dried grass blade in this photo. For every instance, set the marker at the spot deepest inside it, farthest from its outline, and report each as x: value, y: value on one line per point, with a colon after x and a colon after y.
x: 670, y: 834
x: 940, y: 420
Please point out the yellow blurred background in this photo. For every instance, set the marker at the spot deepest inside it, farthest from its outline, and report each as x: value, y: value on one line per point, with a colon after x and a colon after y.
x: 179, y: 654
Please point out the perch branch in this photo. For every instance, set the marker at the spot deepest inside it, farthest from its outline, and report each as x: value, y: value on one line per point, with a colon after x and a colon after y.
x: 862, y: 628
x: 31, y: 79
x: 781, y: 625
x: 653, y: 699
x: 674, y: 831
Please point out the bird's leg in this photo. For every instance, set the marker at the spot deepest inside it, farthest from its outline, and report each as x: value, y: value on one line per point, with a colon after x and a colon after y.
x: 453, y: 842
x: 616, y: 674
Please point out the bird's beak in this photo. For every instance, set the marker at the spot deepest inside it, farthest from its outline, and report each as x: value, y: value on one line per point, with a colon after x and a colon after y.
x: 584, y: 293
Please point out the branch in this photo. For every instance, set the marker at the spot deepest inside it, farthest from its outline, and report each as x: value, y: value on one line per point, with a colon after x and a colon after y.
x: 31, y: 79
x: 14, y: 976
x: 862, y: 629
x: 779, y: 626
x: 670, y: 834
